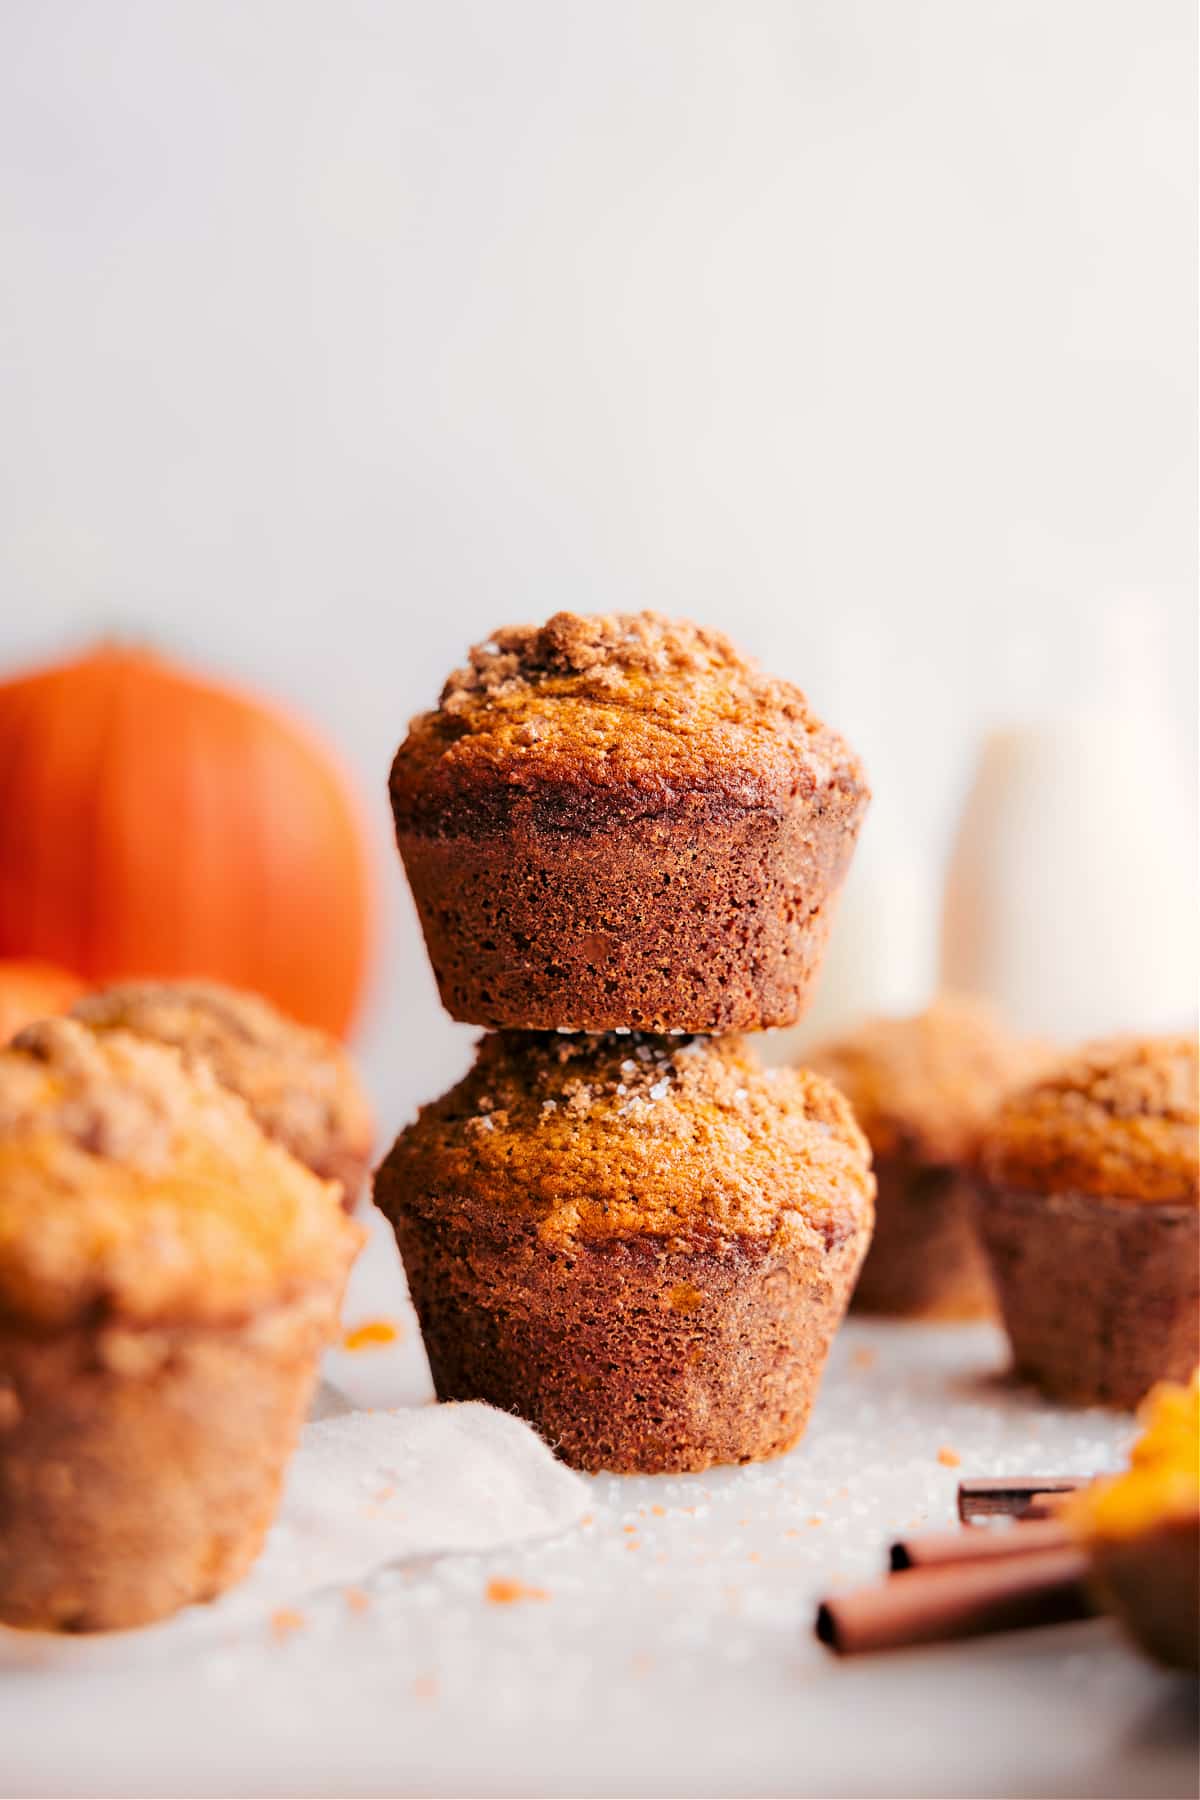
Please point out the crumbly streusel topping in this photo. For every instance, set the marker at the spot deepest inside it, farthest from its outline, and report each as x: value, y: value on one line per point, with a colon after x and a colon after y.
x: 1119, y: 1119
x: 625, y: 1135
x: 925, y: 1086
x: 133, y: 1184
x: 621, y: 700
x: 298, y: 1082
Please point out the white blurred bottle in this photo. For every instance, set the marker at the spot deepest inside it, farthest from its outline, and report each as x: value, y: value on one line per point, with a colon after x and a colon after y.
x: 882, y: 952
x: 1071, y: 898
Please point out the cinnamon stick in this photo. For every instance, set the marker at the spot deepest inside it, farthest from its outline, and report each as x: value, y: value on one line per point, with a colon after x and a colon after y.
x: 939, y: 1549
x: 963, y: 1600
x: 1017, y: 1496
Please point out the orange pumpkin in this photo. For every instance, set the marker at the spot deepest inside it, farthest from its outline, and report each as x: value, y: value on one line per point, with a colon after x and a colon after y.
x: 33, y: 990
x: 153, y: 824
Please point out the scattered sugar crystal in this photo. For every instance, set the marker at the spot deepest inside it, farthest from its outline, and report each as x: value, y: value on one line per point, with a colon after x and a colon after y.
x: 660, y: 1090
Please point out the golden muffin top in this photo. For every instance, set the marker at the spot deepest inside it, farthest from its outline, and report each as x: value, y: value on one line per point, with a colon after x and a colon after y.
x: 132, y: 1184
x: 628, y: 704
x: 686, y: 1139
x: 1118, y: 1120
x: 1162, y: 1482
x: 299, y: 1083
x: 924, y: 1086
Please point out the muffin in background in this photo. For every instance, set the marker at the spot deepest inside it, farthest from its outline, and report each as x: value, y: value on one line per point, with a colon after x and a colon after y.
x: 620, y: 821
x: 168, y: 1278
x: 922, y: 1088
x: 299, y: 1083
x: 33, y: 990
x: 1090, y: 1212
x: 1142, y: 1529
x: 641, y: 1245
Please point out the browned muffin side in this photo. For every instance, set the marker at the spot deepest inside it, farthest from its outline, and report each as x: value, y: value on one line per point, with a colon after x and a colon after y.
x: 620, y: 821
x: 1090, y: 1212
x: 922, y: 1088
x: 641, y: 1245
x: 299, y: 1083
x: 167, y: 1280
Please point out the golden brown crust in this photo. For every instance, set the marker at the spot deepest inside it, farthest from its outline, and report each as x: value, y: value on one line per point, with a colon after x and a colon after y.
x: 620, y: 821
x: 634, y: 707
x: 299, y: 1083
x: 923, y: 1087
x: 687, y: 1140
x: 136, y: 1186
x: 1118, y: 1120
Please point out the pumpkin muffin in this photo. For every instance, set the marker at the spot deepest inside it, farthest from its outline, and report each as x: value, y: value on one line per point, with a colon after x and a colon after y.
x: 641, y: 1245
x: 1090, y: 1212
x: 1142, y: 1530
x: 167, y: 1279
x: 619, y: 821
x: 922, y: 1089
x: 299, y: 1083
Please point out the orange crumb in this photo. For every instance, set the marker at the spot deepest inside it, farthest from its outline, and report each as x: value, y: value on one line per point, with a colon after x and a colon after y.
x: 743, y: 1521
x: 950, y: 1459
x: 285, y: 1621
x: 629, y: 1528
x: 659, y: 1512
x: 588, y: 1519
x: 634, y: 1544
x: 816, y: 1518
x: 356, y: 1600
x: 864, y: 1357
x: 843, y: 1493
x: 791, y: 1532
x: 500, y: 1591
x: 754, y: 1556
x: 371, y: 1334
x: 385, y: 1494
x: 425, y: 1687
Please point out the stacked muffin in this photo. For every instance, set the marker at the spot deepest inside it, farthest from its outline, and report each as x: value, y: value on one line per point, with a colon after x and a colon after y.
x: 624, y: 841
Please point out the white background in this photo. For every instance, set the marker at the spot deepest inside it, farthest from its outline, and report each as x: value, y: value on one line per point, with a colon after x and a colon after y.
x: 334, y: 334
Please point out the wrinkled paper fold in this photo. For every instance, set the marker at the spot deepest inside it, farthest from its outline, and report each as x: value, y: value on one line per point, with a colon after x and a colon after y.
x: 364, y: 1490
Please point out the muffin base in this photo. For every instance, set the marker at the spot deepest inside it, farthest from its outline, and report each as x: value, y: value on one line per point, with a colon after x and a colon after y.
x: 925, y: 1260
x: 140, y: 1469
x: 627, y: 1355
x: 1152, y: 1584
x: 703, y: 918
x: 1101, y: 1298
